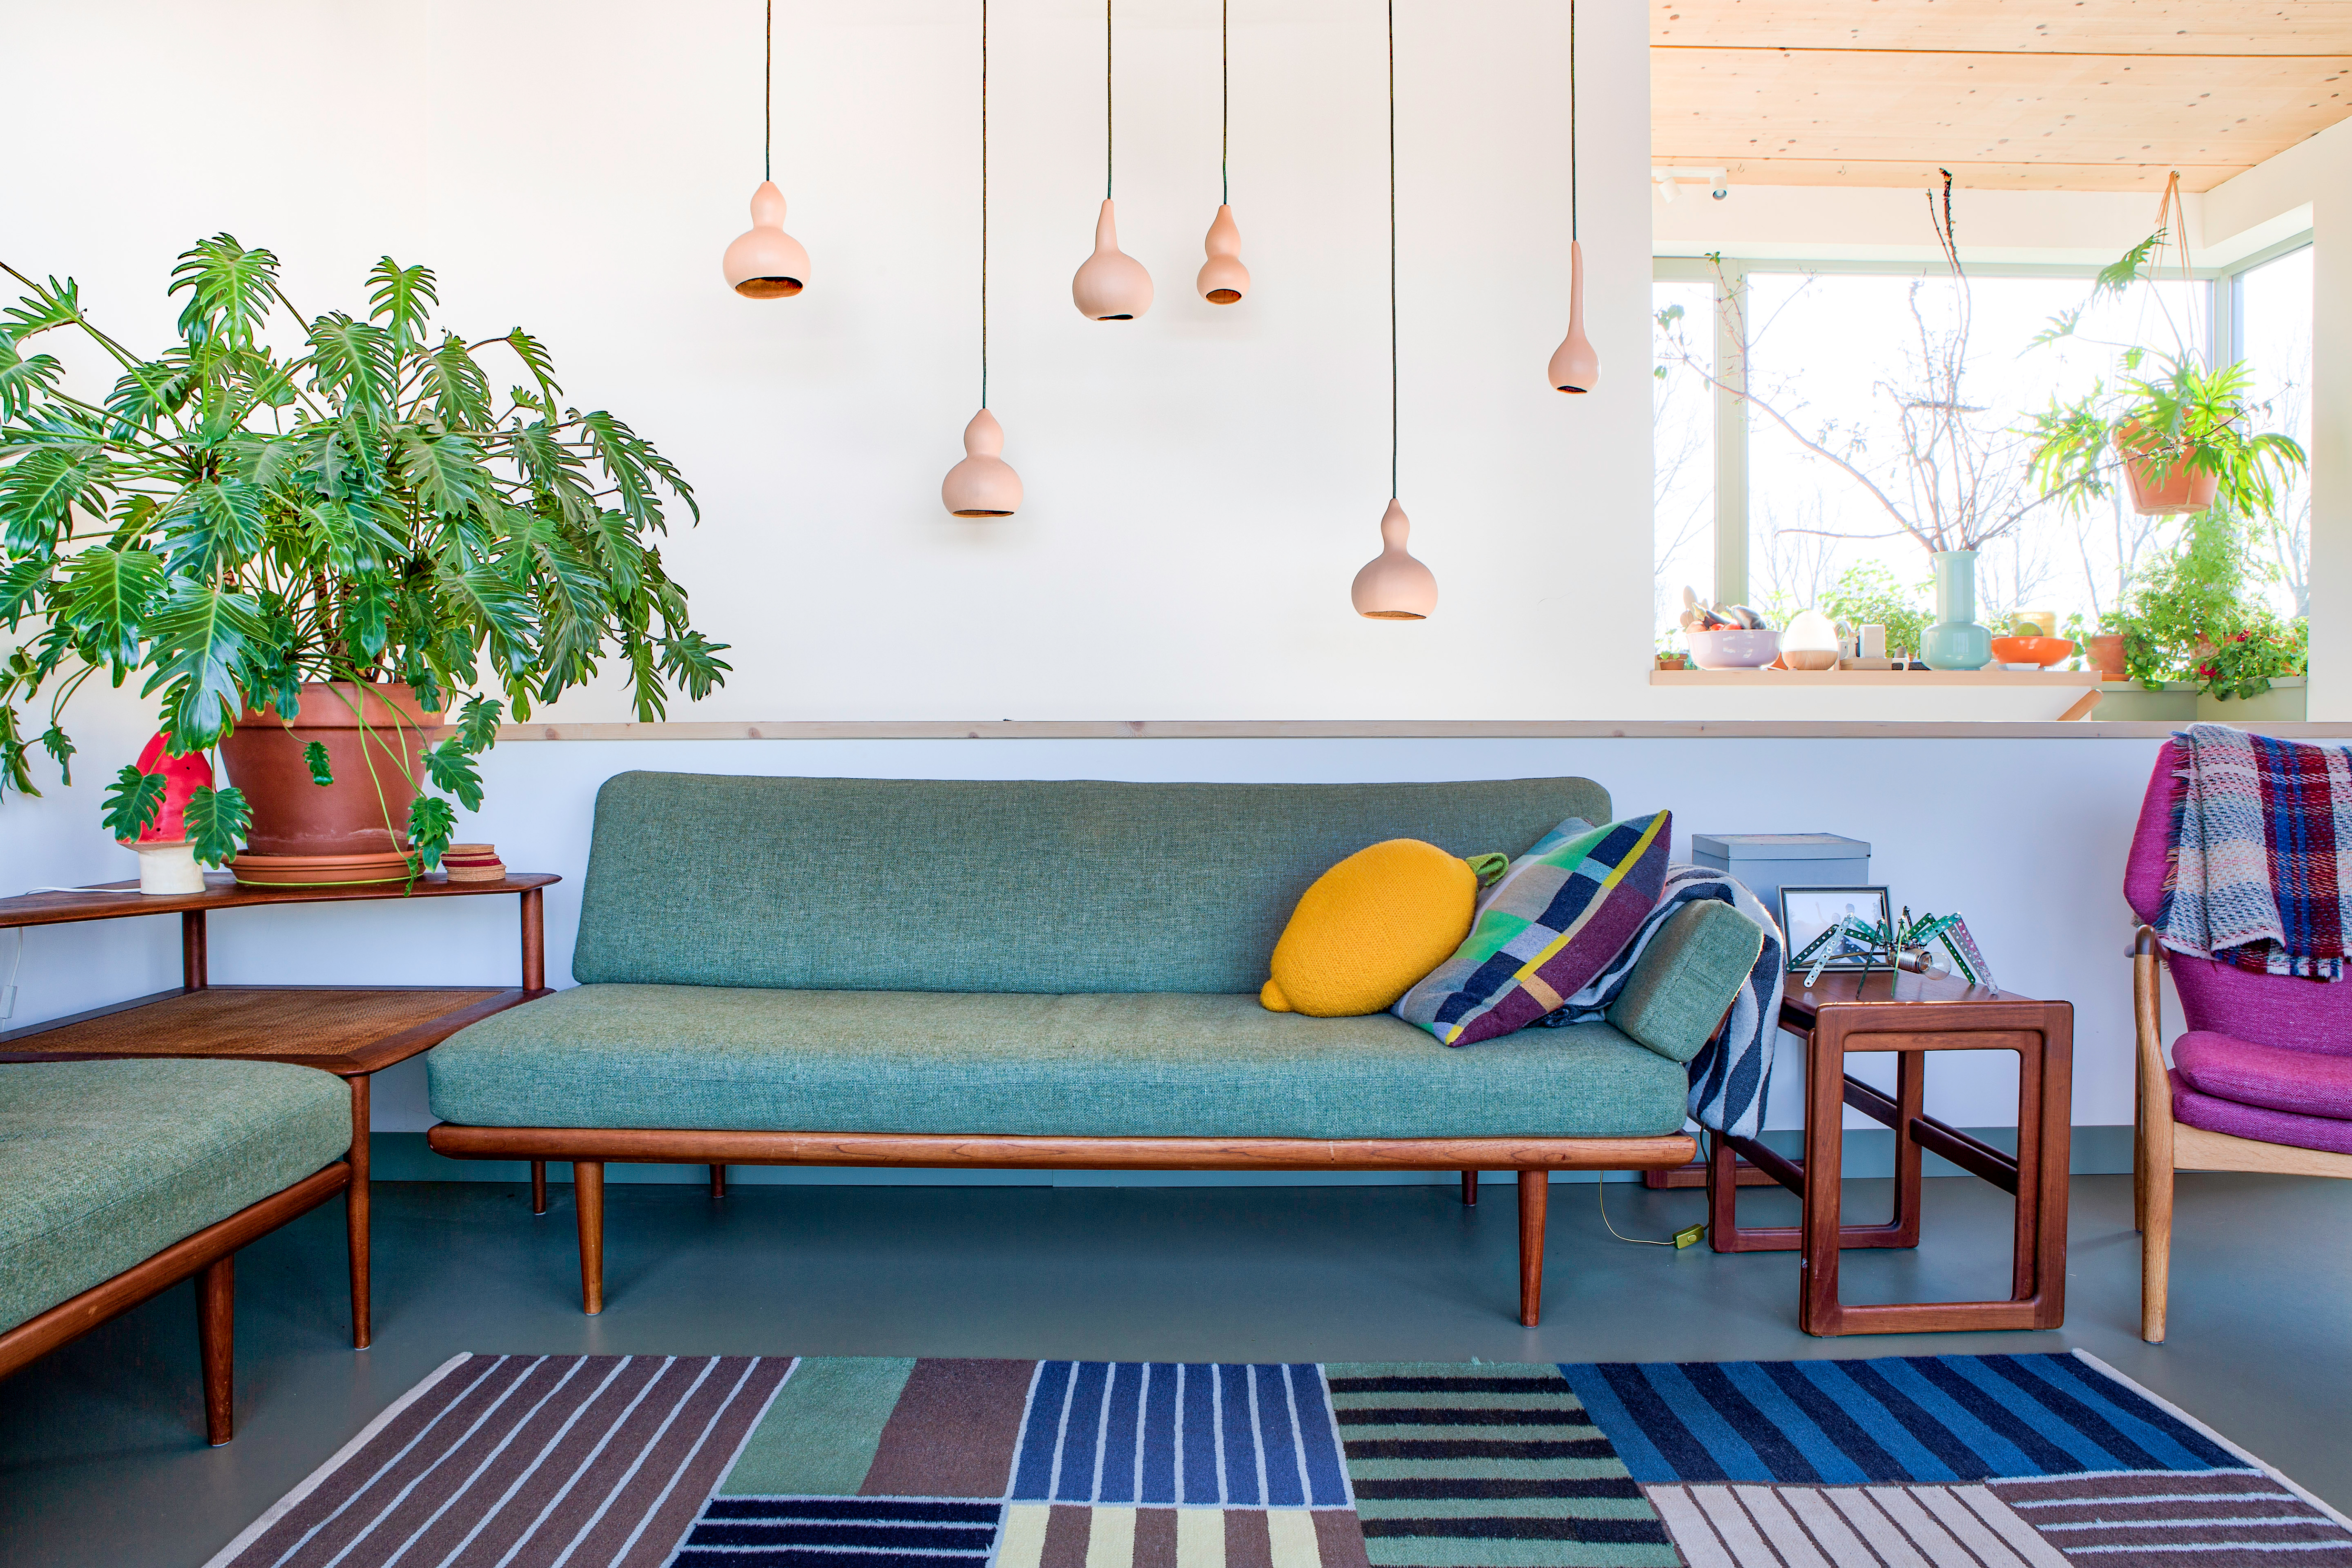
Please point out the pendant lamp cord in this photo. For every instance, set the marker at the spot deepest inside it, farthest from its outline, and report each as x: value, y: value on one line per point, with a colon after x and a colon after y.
x: 1107, y: 114
x: 1395, y: 427
x: 1225, y: 101
x: 1571, y: 121
x: 768, y: 101
x: 983, y: 204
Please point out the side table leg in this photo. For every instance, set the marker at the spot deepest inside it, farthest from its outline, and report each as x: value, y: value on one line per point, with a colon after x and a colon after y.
x: 1910, y: 1101
x: 194, y: 972
x: 535, y: 940
x: 356, y: 1215
x: 1817, y: 1297
x: 539, y: 1186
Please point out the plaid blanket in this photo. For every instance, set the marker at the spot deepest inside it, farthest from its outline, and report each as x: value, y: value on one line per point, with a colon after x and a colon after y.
x: 2258, y: 868
x: 1730, y: 1074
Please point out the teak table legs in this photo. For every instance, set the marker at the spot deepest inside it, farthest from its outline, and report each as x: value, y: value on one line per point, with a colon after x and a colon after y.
x: 2042, y: 1033
x: 356, y: 1215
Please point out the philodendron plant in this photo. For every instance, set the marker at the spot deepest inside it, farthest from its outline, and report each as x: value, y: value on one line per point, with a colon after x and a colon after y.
x: 236, y: 520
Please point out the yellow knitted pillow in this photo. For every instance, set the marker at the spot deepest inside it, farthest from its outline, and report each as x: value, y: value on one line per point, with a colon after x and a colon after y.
x: 1370, y: 927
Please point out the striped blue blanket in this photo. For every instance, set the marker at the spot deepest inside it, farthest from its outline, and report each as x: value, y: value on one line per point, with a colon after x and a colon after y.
x: 1729, y: 1075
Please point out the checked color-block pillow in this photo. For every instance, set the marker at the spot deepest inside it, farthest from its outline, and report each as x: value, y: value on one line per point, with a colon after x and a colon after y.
x: 1560, y: 914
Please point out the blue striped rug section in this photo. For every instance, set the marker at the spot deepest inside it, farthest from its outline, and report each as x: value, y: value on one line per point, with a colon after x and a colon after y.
x: 1170, y: 1433
x: 1926, y: 1418
x: 840, y: 1533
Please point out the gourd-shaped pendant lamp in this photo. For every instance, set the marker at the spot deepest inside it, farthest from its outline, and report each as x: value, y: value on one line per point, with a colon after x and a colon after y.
x: 984, y: 485
x: 1223, y: 279
x: 766, y: 263
x: 1393, y: 586
x: 1575, y: 367
x: 1112, y: 285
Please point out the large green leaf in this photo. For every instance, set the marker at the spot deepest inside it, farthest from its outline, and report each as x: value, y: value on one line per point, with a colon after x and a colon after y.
x: 21, y: 585
x: 218, y: 821
x: 39, y: 487
x: 460, y: 392
x: 693, y: 661
x: 634, y: 464
x: 431, y: 824
x: 501, y: 611
x: 203, y: 638
x: 404, y: 297
x: 24, y: 380
x: 104, y: 601
x: 216, y: 525
x: 478, y: 724
x: 351, y: 360
x: 533, y: 354
x: 132, y: 802
x: 553, y: 470
x: 49, y: 306
x: 230, y: 288
x: 147, y: 394
x: 453, y: 772
x: 446, y: 469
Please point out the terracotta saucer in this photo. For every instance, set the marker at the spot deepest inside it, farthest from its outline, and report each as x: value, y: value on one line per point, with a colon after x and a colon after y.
x: 323, y: 871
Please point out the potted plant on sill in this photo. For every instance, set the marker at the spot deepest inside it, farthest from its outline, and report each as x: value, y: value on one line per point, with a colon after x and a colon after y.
x: 315, y: 554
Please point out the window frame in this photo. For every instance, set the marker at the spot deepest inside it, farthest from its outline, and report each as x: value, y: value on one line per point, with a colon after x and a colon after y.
x: 2225, y: 323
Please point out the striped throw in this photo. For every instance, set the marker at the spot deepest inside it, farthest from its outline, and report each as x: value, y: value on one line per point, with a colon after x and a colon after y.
x: 2259, y: 872
x: 1556, y: 919
x: 1732, y: 1072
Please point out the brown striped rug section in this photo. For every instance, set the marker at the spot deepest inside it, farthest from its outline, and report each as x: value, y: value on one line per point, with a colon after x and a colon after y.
x: 522, y: 1461
x: 2217, y: 1520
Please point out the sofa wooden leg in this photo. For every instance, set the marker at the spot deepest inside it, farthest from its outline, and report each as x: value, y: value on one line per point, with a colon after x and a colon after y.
x: 719, y: 1181
x: 1470, y: 1189
x: 216, y: 1346
x: 2155, y: 1251
x: 539, y: 1186
x: 1534, y: 1188
x: 588, y: 1199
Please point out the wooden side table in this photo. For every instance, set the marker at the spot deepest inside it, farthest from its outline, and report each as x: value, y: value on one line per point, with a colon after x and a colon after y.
x: 1911, y: 1015
x: 352, y: 1031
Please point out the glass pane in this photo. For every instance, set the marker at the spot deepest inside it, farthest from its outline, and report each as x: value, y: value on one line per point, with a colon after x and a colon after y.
x: 1682, y: 434
x: 2275, y: 342
x: 1886, y: 423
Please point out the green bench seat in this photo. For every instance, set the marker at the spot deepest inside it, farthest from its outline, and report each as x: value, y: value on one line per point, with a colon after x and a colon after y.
x: 119, y: 1178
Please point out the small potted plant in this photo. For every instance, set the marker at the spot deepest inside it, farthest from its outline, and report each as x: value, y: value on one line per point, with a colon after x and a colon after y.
x: 312, y: 550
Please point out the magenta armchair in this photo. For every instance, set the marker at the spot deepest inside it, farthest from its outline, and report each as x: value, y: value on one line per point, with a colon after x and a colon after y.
x: 2260, y: 1081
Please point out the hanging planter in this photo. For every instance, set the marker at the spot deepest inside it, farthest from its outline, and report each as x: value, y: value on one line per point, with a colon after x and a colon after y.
x: 765, y: 262
x: 1109, y: 285
x: 2162, y: 486
x: 1223, y: 279
x: 984, y: 485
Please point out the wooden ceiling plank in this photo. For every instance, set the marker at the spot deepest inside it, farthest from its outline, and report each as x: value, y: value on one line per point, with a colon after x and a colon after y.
x: 2195, y: 28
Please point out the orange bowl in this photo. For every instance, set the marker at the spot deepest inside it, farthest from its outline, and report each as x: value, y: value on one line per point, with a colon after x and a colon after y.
x: 2043, y: 650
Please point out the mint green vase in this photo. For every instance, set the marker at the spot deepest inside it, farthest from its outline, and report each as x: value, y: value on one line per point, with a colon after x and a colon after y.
x: 1955, y: 641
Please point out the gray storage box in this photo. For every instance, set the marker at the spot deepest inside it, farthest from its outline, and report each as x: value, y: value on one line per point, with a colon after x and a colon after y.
x: 1768, y: 862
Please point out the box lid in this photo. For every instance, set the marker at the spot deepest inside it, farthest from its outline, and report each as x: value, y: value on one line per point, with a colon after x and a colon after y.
x: 1780, y: 846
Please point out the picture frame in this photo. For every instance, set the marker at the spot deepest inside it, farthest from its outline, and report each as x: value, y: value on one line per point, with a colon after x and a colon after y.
x: 1810, y: 918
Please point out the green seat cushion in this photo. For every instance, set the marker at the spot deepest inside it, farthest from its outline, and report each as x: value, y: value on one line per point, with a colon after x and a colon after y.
x: 954, y: 885
x: 105, y: 1164
x: 1170, y: 1064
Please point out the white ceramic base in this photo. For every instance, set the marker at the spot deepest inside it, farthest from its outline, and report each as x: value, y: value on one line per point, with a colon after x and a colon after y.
x: 169, y: 868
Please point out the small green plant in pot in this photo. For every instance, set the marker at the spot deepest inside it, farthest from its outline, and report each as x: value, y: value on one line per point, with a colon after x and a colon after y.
x: 314, y: 553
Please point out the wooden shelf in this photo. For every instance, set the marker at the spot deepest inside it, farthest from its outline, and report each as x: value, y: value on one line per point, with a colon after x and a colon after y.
x: 114, y: 899
x: 343, y: 1029
x: 2078, y: 680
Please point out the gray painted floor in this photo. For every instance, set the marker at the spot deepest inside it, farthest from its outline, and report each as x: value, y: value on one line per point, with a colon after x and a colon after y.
x: 102, y: 1462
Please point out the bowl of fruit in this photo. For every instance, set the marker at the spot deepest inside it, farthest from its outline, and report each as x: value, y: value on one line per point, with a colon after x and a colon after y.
x: 2029, y: 644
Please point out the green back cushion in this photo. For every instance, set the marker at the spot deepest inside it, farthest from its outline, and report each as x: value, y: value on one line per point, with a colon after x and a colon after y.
x: 948, y: 886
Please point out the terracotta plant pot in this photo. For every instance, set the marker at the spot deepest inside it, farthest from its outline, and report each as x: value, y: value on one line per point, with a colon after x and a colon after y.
x: 2156, y: 492
x: 2106, y: 653
x: 353, y: 830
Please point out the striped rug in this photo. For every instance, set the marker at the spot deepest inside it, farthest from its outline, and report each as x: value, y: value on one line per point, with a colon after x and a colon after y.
x: 2041, y: 1461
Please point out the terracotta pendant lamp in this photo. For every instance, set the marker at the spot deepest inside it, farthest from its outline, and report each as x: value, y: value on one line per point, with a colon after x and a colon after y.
x: 1393, y: 586
x: 766, y: 263
x: 1223, y: 279
x: 984, y: 485
x: 1112, y: 285
x: 1574, y: 367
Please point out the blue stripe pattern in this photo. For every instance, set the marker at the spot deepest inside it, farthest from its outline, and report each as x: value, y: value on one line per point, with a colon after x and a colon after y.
x: 1165, y: 1433
x: 1923, y: 1419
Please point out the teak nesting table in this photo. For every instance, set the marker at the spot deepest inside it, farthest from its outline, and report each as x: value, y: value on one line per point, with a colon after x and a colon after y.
x: 1911, y: 1015
x: 351, y: 1031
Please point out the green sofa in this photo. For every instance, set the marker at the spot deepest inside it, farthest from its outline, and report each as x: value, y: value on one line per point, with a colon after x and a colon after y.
x: 120, y: 1178
x: 836, y: 971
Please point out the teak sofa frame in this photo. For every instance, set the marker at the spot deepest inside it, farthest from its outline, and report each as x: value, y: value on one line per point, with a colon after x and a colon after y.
x: 211, y: 1256
x: 590, y: 1149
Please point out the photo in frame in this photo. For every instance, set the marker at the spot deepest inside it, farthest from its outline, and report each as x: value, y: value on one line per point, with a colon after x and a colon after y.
x: 1837, y: 928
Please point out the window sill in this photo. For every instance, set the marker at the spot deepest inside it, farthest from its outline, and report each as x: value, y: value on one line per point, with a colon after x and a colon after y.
x: 2081, y: 680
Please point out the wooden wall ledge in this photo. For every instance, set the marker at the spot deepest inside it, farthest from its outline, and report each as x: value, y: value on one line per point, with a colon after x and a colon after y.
x: 1395, y: 729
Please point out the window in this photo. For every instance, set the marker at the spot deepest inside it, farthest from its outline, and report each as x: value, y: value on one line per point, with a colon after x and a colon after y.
x: 1887, y: 415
